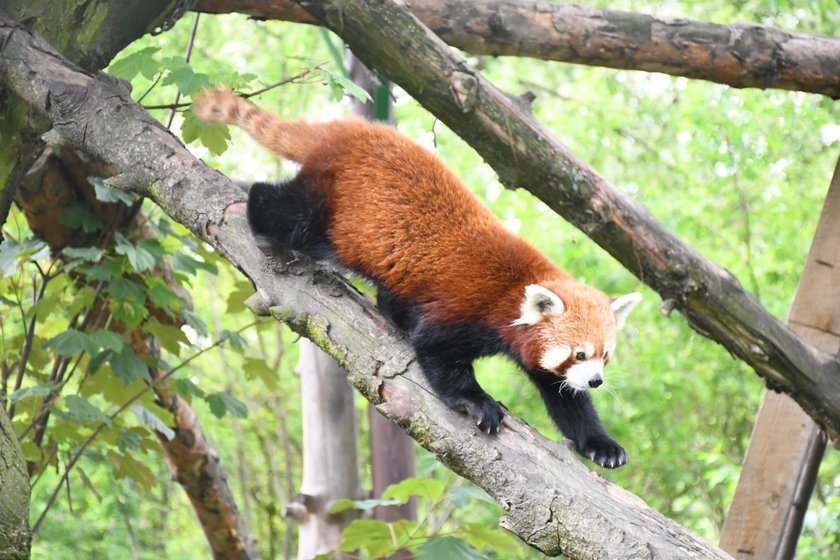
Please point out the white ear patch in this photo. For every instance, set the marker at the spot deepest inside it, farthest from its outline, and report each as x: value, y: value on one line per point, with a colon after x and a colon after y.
x: 622, y: 306
x: 555, y: 356
x: 538, y: 301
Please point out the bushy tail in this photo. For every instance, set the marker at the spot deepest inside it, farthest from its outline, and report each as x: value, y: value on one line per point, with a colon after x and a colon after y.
x: 292, y: 140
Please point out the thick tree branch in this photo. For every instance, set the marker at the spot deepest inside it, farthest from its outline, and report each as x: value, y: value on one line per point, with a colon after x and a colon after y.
x: 502, y: 130
x: 739, y: 54
x: 552, y: 501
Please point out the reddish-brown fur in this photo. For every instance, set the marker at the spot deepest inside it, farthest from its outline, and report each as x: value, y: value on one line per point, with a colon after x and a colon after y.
x: 428, y: 239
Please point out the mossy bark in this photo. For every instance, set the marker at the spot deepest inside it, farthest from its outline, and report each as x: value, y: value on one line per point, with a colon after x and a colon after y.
x: 88, y: 33
x: 14, y: 495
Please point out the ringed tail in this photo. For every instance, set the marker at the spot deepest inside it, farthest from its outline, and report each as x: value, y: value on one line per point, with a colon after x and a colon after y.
x: 293, y: 140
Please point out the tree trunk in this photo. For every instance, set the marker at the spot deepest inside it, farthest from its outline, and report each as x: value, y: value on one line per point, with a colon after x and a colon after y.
x: 14, y: 495
x: 739, y: 54
x: 330, y: 452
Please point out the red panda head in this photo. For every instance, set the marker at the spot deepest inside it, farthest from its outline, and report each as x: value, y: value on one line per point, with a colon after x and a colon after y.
x: 571, y: 330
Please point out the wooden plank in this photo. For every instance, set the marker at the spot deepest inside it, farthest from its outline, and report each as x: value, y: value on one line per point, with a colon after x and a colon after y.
x: 786, y: 447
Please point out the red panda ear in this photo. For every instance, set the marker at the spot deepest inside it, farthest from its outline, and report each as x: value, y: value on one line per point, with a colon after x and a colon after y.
x: 538, y: 301
x: 622, y: 306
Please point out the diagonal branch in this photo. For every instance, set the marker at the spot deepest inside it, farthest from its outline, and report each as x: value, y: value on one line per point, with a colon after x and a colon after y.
x: 739, y: 55
x: 502, y: 130
x: 552, y: 501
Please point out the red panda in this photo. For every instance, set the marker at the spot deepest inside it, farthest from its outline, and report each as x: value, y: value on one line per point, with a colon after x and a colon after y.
x: 448, y: 273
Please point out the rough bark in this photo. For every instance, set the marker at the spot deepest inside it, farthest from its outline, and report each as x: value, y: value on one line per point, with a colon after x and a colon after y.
x: 552, y: 501
x: 57, y: 181
x: 330, y: 453
x: 500, y: 127
x: 14, y: 495
x: 88, y: 33
x: 739, y: 55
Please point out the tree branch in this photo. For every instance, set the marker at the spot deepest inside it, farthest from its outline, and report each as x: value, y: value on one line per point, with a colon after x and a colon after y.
x: 552, y: 501
x: 739, y: 54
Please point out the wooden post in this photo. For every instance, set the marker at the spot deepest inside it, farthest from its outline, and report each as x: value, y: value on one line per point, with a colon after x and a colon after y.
x: 330, y: 459
x: 786, y: 447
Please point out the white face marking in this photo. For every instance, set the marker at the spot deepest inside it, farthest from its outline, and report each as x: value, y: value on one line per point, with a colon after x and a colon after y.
x: 579, y: 375
x: 588, y: 349
x: 555, y: 356
x: 609, y: 347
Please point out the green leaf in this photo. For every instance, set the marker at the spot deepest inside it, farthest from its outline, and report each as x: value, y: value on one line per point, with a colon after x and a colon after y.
x: 128, y: 441
x: 83, y: 253
x: 221, y: 403
x: 259, y: 369
x: 236, y: 340
x: 126, y: 466
x: 195, y: 322
x: 185, y: 263
x: 242, y: 290
x: 462, y: 495
x: 109, y: 194
x: 377, y: 538
x: 34, y: 391
x: 150, y: 419
x: 188, y: 388
x: 140, y: 62
x: 427, y: 488
x: 122, y: 288
x: 214, y: 137
x: 82, y: 411
x: 169, y: 337
x: 339, y: 85
x: 71, y: 342
x: 78, y: 215
x: 364, y: 505
x: 108, y: 339
x: 129, y: 312
x: 498, y: 540
x: 182, y: 76
x: 140, y: 258
x: 450, y: 548
x: 162, y: 295
x: 12, y: 253
x: 128, y: 367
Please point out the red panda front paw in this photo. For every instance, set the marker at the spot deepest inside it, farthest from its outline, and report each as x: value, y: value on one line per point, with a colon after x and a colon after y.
x: 602, y: 450
x: 484, y: 411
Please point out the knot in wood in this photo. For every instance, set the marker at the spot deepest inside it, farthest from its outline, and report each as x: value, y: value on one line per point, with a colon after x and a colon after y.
x: 464, y: 89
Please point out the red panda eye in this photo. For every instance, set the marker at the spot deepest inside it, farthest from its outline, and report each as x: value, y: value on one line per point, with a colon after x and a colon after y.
x: 580, y: 356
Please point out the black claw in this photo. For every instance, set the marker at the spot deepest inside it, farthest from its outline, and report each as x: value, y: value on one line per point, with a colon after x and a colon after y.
x: 603, y: 451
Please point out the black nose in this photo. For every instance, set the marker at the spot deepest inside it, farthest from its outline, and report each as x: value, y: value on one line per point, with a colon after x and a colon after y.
x: 596, y: 381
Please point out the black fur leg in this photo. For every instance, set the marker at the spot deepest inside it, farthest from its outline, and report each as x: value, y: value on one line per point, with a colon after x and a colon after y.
x: 402, y: 314
x: 292, y: 216
x: 446, y: 354
x: 577, y: 418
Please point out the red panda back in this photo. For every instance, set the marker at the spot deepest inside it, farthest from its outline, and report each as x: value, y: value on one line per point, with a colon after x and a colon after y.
x: 398, y: 215
x: 401, y: 217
